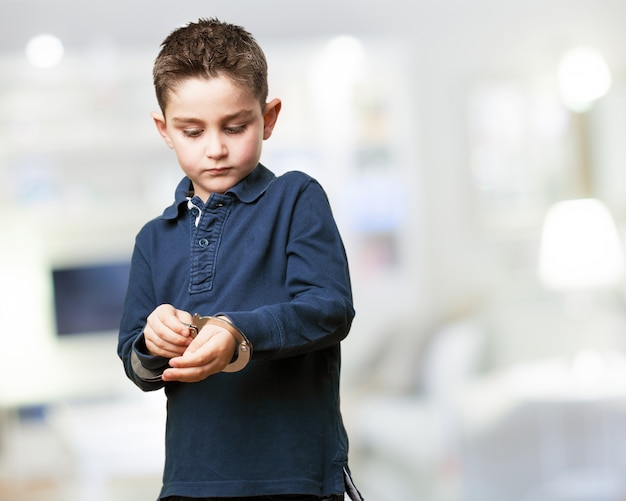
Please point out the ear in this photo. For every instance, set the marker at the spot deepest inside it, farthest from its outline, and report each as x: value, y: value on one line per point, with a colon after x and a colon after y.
x: 270, y: 115
x: 159, y: 121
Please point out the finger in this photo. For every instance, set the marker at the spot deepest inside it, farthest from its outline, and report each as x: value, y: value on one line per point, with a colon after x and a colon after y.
x: 178, y: 325
x: 210, y: 345
x: 164, y: 350
x: 194, y: 359
x: 163, y: 336
x: 166, y: 316
x: 165, y: 342
x: 189, y: 374
x: 170, y: 329
x: 184, y: 316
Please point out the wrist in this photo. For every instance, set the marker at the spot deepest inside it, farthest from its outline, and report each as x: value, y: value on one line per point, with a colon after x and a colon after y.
x: 243, y: 348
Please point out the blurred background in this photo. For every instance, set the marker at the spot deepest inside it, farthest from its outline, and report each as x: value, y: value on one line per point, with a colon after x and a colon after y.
x: 475, y: 157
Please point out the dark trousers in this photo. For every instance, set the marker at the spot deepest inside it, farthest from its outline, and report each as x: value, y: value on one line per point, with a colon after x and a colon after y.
x: 284, y: 497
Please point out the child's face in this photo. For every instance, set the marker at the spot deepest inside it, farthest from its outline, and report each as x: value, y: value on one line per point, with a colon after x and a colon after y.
x: 216, y: 129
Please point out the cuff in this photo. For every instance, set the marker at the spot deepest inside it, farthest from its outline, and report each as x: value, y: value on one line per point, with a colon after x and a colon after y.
x: 147, y: 367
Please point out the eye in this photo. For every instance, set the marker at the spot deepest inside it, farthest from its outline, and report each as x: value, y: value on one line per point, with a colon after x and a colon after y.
x: 236, y: 129
x: 192, y: 133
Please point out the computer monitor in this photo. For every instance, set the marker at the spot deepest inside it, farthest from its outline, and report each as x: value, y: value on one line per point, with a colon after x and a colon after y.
x: 89, y: 298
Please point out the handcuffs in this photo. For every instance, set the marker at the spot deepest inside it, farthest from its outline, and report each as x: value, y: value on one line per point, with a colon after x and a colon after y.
x: 243, y: 351
x: 240, y: 360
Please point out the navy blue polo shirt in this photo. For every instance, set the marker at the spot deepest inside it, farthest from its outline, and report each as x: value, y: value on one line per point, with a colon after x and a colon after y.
x: 267, y: 253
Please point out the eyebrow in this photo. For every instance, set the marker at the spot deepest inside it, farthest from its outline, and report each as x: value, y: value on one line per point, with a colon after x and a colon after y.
x: 226, y: 118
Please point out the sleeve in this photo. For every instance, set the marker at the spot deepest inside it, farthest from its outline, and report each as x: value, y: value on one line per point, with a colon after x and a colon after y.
x: 319, y: 312
x: 142, y: 368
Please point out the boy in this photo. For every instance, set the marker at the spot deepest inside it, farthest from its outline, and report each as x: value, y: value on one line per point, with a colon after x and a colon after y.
x: 252, y: 380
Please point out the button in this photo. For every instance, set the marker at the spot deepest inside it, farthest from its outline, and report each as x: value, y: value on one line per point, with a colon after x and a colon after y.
x: 203, y: 242
x: 195, y: 211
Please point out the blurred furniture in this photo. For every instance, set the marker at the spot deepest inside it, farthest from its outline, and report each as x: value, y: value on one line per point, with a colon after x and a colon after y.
x: 406, y: 444
x: 109, y: 439
x: 550, y: 431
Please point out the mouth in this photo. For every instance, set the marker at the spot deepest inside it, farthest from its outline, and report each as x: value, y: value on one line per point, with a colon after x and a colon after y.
x: 218, y: 171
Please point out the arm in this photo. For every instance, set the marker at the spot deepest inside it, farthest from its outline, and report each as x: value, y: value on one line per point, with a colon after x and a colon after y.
x: 140, y: 365
x: 319, y: 311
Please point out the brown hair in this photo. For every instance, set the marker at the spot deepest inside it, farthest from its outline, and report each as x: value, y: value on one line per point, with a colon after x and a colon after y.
x: 207, y: 49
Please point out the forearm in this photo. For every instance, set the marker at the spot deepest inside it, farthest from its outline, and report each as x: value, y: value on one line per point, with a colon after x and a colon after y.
x: 309, y: 322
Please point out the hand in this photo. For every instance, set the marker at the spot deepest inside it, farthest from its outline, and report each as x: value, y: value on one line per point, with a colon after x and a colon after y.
x: 166, y: 334
x: 211, y: 351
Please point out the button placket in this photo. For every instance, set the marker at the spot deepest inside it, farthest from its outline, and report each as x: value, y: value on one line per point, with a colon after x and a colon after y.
x: 206, y: 241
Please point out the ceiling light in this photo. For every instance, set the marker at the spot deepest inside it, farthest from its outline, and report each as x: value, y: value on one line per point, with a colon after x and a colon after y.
x: 44, y: 51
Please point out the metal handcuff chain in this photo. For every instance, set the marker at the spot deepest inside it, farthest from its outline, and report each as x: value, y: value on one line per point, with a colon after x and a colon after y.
x: 244, y: 348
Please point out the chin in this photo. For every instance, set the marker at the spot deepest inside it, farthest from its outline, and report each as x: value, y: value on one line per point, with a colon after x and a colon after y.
x: 221, y: 187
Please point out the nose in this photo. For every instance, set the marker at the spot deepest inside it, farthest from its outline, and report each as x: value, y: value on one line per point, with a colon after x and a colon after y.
x: 215, y: 147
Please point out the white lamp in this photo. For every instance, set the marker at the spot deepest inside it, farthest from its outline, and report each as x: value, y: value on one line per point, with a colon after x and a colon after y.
x: 580, y: 247
x: 584, y: 77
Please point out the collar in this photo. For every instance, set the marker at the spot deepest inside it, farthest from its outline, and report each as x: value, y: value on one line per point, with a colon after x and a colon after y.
x: 247, y: 190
